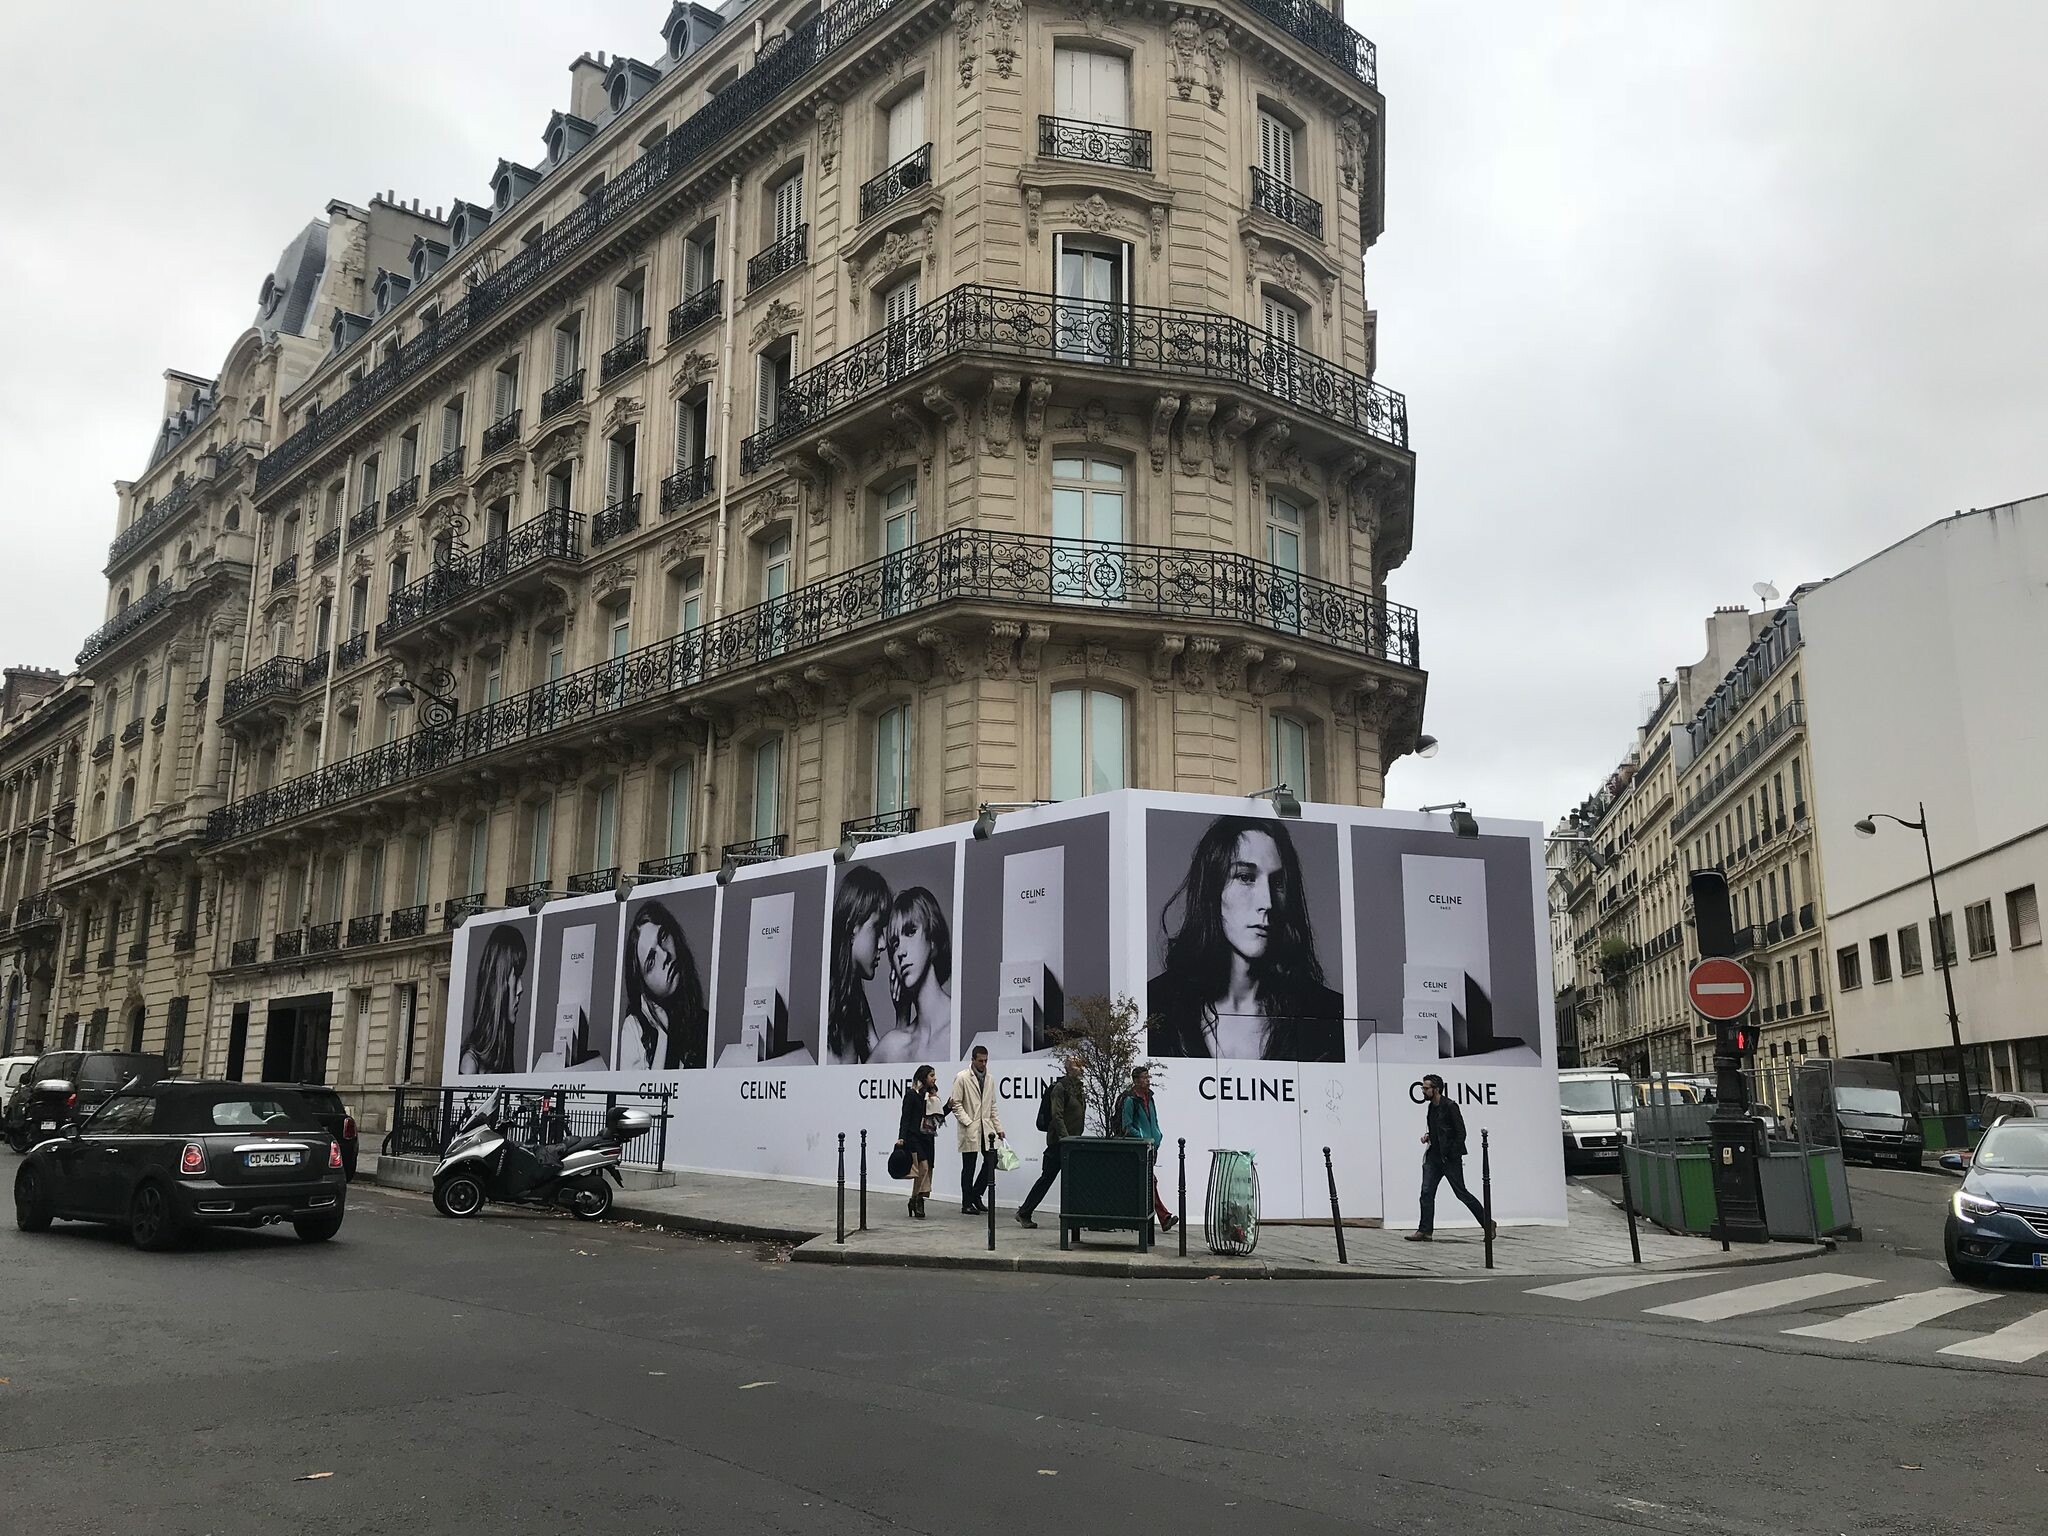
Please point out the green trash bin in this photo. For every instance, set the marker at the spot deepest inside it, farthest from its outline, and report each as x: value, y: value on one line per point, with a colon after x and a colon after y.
x: 1230, y: 1219
x: 1105, y: 1186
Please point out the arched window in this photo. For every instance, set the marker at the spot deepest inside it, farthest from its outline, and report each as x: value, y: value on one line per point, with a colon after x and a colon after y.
x: 768, y: 788
x: 681, y: 787
x: 124, y: 805
x: 1288, y: 755
x: 1088, y: 511
x: 892, y: 760
x: 155, y: 579
x: 1090, y: 746
x: 121, y: 602
x: 898, y: 531
x: 604, y: 832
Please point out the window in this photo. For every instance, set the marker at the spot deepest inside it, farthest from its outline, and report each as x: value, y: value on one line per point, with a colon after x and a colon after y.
x: 409, y: 454
x: 768, y: 788
x: 287, y: 544
x: 1880, y: 957
x: 559, y: 481
x: 618, y: 630
x: 1289, y: 764
x: 370, y: 880
x: 494, y: 680
x: 323, y: 625
x: 1094, y: 282
x: 2022, y: 918
x: 1944, y: 942
x: 691, y: 420
x: 771, y: 379
x: 906, y: 347
x: 680, y: 789
x: 406, y: 1001
x: 476, y: 858
x: 700, y: 262
x: 899, y: 532
x: 1283, y: 321
x: 541, y: 845
x: 620, y: 453
x: 689, y: 599
x: 604, y: 840
x: 568, y: 347
x: 1276, y: 148
x: 788, y: 203
x: 1284, y: 529
x: 1088, y: 747
x: 1090, y: 86
x: 629, y: 307
x: 554, y: 656
x: 1980, y: 930
x: 1087, y: 508
x: 892, y: 759
x: 903, y: 128
x: 124, y: 803
x: 777, y: 571
x: 419, y: 855
x: 1909, y: 950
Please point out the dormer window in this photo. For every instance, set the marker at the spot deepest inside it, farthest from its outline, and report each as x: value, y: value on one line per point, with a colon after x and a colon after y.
x: 503, y: 198
x: 619, y: 94
x: 459, y: 232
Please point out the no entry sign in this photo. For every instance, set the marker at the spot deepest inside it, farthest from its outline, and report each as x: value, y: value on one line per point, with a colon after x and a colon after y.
x: 1720, y: 989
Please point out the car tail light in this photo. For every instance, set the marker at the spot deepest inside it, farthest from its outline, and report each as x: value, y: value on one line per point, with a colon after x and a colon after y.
x: 348, y: 1127
x: 334, y: 1154
x: 71, y: 1101
x: 192, y: 1159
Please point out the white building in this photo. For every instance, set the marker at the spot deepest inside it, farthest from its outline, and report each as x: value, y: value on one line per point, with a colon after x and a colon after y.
x: 1927, y: 685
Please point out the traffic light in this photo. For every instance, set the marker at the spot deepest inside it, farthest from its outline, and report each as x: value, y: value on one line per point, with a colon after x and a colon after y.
x: 1735, y: 1037
x: 1713, y: 918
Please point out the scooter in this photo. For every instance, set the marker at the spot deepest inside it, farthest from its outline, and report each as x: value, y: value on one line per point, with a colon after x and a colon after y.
x: 483, y: 1163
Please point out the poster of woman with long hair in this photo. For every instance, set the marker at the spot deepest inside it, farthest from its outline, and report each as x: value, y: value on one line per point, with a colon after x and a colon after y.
x: 921, y: 960
x: 1241, y: 973
x: 860, y: 935
x: 890, y: 978
x: 664, y: 1013
x: 496, y: 998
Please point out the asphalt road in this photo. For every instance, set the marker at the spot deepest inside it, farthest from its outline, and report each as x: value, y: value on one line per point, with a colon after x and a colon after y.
x: 520, y: 1373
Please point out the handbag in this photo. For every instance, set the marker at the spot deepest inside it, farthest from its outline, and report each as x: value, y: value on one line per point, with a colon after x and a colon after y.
x: 1007, y: 1161
x: 899, y: 1163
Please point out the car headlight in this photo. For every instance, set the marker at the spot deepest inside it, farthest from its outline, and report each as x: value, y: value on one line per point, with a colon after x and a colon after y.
x: 1969, y: 1207
x: 1566, y: 1124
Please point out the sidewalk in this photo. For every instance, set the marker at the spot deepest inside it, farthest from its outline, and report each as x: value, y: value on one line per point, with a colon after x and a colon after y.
x: 803, y: 1215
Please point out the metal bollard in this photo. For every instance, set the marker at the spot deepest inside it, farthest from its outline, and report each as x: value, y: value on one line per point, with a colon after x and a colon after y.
x: 1336, y: 1215
x: 1486, y: 1189
x: 1183, y: 1197
x: 842, y: 1186
x: 863, y: 1181
x: 988, y: 1165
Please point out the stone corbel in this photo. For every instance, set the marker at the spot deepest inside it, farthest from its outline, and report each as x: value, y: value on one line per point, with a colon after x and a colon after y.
x: 952, y: 410
x: 1165, y: 651
x: 1035, y: 400
x: 1271, y: 674
x: 1158, y: 227
x: 1034, y: 204
x: 1201, y: 654
x: 1230, y: 675
x: 996, y: 414
x: 967, y: 29
x: 807, y: 495
x: 945, y: 649
x: 1001, y: 647
x: 1267, y: 445
x: 1032, y: 651
x: 913, y: 422
x: 911, y: 663
x: 828, y: 685
x: 1164, y: 409
x: 1194, y: 432
x: 1231, y: 426
x: 835, y: 460
x: 803, y: 698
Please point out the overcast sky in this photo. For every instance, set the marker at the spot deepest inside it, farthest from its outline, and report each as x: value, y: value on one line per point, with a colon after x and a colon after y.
x: 1683, y: 296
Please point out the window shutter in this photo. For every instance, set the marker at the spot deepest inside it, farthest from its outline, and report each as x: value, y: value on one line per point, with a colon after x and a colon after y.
x: 1282, y: 323
x: 1276, y: 149
x: 906, y: 126
x: 565, y: 352
x: 901, y: 301
x: 614, y: 473
x: 789, y: 206
x: 508, y: 391
x: 683, y: 435
x: 764, y: 394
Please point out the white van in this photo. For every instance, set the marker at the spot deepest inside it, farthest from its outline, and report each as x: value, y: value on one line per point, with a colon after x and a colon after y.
x: 1592, y: 1135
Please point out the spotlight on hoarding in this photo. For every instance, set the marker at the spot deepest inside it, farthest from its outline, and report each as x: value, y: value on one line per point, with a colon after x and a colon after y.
x: 1463, y: 822
x: 1284, y: 803
x: 985, y: 823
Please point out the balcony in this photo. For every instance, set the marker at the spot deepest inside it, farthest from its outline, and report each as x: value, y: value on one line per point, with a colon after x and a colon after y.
x: 561, y: 395
x: 1747, y: 937
x: 1066, y: 138
x: 674, y: 867
x: 277, y: 680
x: 326, y: 547
x: 526, y: 895
x: 409, y: 922
x: 323, y: 938
x: 362, y: 522
x: 594, y: 882
x: 869, y: 829
x: 316, y: 669
x: 138, y: 952
x: 699, y: 308
x: 104, y: 747
x: 623, y: 358
x: 1126, y: 587
x: 615, y: 521
x: 288, y: 946
x: 501, y: 433
x: 1806, y: 918
x: 76, y: 966
x: 131, y: 733
x: 1005, y: 326
x: 445, y: 468
x: 285, y: 572
x: 1272, y: 195
x: 159, y: 716
x: 33, y: 911
x: 785, y: 255
x: 689, y: 485
x: 365, y: 930
x: 555, y: 536
x: 914, y: 170
x: 756, y: 850
x: 401, y: 498
x: 1816, y: 1003
x: 151, y: 521
x: 243, y: 952
x: 1731, y: 773
x: 352, y: 650
x: 1323, y: 31
x: 126, y: 622
x: 457, y: 910
x: 184, y: 941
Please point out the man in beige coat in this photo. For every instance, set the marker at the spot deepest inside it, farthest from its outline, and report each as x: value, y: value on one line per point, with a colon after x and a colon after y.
x: 975, y: 1119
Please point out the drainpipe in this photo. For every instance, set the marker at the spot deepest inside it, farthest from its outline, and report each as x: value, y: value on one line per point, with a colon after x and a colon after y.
x: 725, y: 441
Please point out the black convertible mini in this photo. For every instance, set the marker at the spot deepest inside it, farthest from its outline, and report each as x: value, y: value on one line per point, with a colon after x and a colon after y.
x: 162, y: 1157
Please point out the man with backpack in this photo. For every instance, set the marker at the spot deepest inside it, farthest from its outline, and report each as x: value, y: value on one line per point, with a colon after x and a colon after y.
x: 1444, y: 1136
x: 1062, y: 1112
x: 1137, y: 1115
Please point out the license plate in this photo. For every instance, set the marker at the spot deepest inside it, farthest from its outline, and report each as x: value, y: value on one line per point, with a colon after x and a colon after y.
x: 272, y: 1159
x: 2041, y: 1261
x: 49, y: 1125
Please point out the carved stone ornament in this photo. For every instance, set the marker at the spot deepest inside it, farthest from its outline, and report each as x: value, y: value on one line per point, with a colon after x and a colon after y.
x: 1095, y: 215
x: 1201, y: 654
x: 1164, y: 409
x: 1094, y: 421
x: 1287, y: 270
x: 1194, y: 432
x: 779, y: 319
x: 500, y: 482
x: 913, y: 422
x: 1006, y: 26
x: 911, y: 663
x: 695, y: 368
x: 1001, y: 646
x: 1267, y: 445
x: 967, y: 32
x: 1271, y: 676
x: 1035, y: 399
x: 1031, y: 651
x: 952, y: 410
x: 1215, y: 44
x: 900, y: 249
x: 1034, y: 203
x: 996, y: 415
x: 828, y: 134
x: 1351, y: 149
x: 1092, y: 14
x: 1164, y: 653
x: 945, y: 649
x: 688, y: 545
x: 1231, y: 426
x: 556, y: 449
x: 1184, y: 42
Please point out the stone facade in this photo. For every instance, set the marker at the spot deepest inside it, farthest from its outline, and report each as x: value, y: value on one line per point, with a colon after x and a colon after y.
x: 42, y: 745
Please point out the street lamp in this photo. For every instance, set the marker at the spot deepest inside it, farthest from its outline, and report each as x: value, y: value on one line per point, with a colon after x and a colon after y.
x: 433, y: 691
x: 1867, y: 827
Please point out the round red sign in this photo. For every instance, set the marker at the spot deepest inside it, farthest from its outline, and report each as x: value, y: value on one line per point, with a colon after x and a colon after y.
x: 1720, y: 988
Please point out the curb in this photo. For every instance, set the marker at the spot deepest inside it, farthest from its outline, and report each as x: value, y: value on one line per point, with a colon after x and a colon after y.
x: 708, y: 1226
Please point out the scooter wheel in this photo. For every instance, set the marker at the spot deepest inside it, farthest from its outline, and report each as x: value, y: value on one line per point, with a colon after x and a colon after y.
x: 459, y: 1195
x: 592, y: 1201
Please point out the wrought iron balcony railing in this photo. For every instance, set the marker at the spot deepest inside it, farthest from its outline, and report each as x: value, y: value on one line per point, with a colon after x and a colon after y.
x: 76, y: 967
x: 500, y: 432
x: 688, y: 485
x: 674, y: 867
x: 699, y: 308
x: 362, y: 523
x: 559, y: 396
x: 1272, y: 195
x: 594, y: 882
x: 281, y: 677
x: 1006, y: 324
x: 365, y: 930
x: 1325, y: 32
x: 526, y: 895
x: 352, y: 650
x: 402, y: 497
x: 316, y: 669
x: 138, y: 952
x: 131, y: 733
x: 323, y: 937
x: 1787, y: 719
x: 126, y: 623
x: 184, y: 941
x: 445, y: 468
x: 615, y: 521
x: 626, y: 356
x: 457, y: 910
x: 1067, y: 138
x: 288, y: 946
x: 556, y: 534
x: 31, y: 910
x: 408, y: 922
x: 981, y: 565
x: 162, y: 713
x: 243, y: 951
x: 104, y: 747
x: 667, y: 164
x: 785, y: 255
x: 757, y: 850
x: 285, y: 572
x: 866, y: 829
x: 327, y: 546
x: 896, y: 183
x: 152, y: 520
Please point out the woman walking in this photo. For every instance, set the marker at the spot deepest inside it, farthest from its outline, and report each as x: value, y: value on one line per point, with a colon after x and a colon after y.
x: 917, y: 1131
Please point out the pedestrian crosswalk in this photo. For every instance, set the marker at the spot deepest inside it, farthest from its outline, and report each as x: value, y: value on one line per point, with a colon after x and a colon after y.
x: 1992, y: 1332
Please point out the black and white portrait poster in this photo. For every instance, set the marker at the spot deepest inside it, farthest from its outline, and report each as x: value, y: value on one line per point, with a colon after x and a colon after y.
x: 494, y: 1008
x: 1244, y: 941
x: 1036, y: 913
x: 577, y: 975
x: 664, y: 1006
x: 771, y: 949
x: 890, y: 973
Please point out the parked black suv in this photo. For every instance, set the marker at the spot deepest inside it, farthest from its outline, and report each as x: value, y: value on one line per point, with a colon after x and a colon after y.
x: 90, y: 1078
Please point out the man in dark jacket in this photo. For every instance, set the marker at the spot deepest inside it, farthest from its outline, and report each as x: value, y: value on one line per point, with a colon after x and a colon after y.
x: 1066, y: 1114
x: 1444, y: 1160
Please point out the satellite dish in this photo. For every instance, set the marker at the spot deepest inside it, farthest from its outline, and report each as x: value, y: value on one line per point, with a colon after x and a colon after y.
x: 1765, y: 593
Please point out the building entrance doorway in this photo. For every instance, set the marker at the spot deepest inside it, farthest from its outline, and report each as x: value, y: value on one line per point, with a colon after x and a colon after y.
x: 295, y: 1039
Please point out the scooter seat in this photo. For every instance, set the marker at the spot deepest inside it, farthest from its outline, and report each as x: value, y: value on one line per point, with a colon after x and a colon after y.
x: 560, y: 1150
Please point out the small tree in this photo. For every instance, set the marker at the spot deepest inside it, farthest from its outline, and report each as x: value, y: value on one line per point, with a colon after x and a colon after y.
x: 1108, y: 1034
